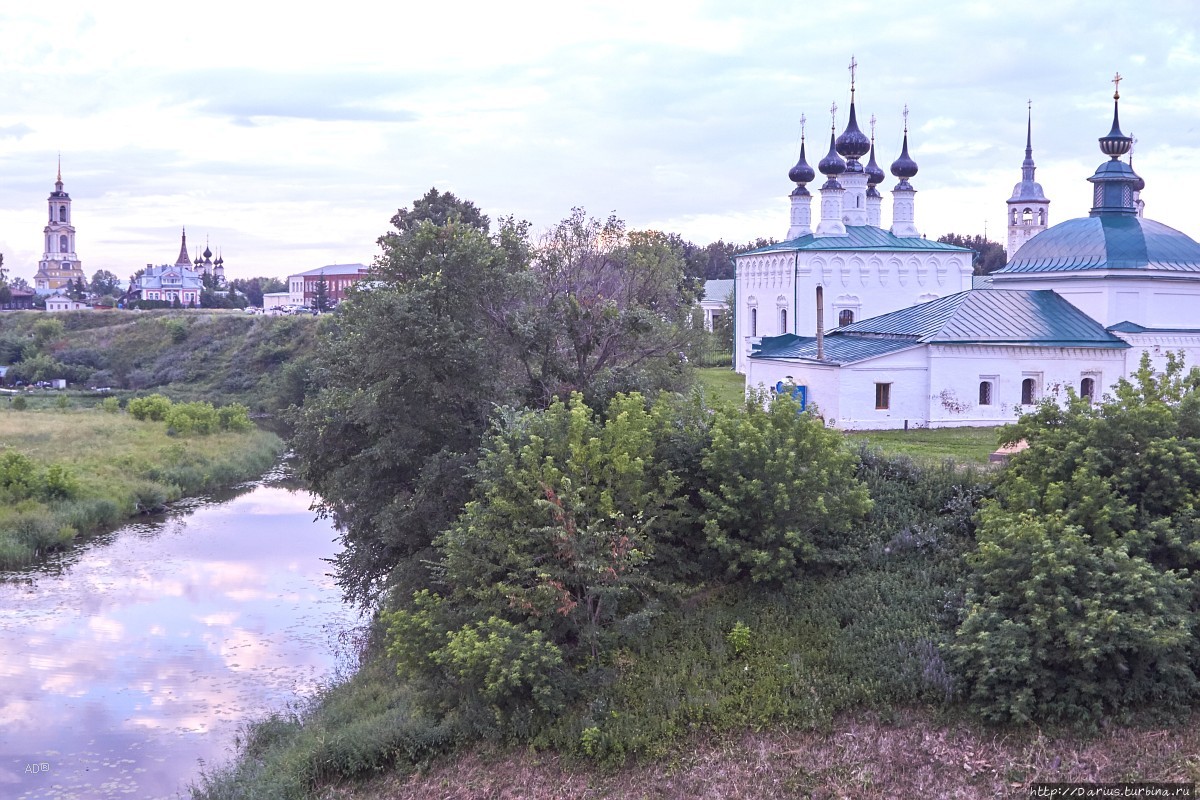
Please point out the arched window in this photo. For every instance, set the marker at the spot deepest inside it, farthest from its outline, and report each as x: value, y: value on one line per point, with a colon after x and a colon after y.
x: 985, y: 393
x: 1014, y: 216
x: 1028, y: 392
x: 1087, y: 389
x: 62, y: 213
x: 1027, y: 216
x: 62, y: 244
x: 845, y: 316
x: 754, y: 322
x: 783, y: 320
x: 1041, y: 216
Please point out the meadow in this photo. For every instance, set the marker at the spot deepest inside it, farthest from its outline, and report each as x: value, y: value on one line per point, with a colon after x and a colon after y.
x: 67, y: 472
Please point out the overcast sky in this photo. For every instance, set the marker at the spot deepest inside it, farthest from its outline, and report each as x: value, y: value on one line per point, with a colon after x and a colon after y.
x: 289, y: 139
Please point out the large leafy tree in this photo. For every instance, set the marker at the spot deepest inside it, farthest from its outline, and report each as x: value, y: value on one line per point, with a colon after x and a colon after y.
x: 407, y: 379
x: 1084, y: 588
x: 321, y: 294
x: 254, y: 288
x: 104, y: 282
x: 605, y: 311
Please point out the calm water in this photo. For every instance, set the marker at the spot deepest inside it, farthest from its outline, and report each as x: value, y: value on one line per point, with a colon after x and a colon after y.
x: 128, y: 664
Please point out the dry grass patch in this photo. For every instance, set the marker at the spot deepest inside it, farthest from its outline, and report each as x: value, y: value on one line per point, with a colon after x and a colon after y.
x: 914, y: 755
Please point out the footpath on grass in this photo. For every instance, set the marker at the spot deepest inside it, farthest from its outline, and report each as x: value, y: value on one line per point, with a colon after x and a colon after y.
x: 70, y: 472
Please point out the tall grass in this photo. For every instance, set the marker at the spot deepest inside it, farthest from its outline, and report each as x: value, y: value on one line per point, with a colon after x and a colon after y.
x: 122, y: 467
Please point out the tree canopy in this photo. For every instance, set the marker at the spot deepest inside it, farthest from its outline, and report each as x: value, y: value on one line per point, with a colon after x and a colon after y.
x: 989, y: 255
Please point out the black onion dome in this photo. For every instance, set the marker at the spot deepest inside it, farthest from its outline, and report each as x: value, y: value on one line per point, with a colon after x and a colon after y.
x: 904, y: 167
x: 832, y: 164
x: 853, y: 143
x: 875, y: 175
x: 802, y: 172
x: 1115, y: 144
x: 207, y: 253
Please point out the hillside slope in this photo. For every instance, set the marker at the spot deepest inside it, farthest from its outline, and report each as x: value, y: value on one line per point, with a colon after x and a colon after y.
x: 218, y: 356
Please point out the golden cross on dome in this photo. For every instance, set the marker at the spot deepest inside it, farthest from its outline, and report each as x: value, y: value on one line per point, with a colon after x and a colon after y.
x: 802, y: 122
x: 833, y: 116
x: 872, y: 129
x: 853, y: 67
x: 906, y: 117
x: 1117, y: 86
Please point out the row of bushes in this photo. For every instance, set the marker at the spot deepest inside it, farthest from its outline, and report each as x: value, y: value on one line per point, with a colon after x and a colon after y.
x: 182, y: 419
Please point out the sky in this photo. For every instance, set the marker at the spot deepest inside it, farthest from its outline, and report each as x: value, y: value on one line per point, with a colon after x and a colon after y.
x: 287, y: 141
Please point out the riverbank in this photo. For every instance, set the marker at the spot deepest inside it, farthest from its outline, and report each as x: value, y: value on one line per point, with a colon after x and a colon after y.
x: 73, y: 472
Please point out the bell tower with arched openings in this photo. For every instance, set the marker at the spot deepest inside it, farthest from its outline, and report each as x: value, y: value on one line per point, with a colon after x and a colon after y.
x: 1028, y: 208
x: 59, y: 265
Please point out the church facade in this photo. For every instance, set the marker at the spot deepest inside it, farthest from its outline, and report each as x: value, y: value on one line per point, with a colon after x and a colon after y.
x: 847, y: 266
x: 59, y: 265
x: 1075, y: 308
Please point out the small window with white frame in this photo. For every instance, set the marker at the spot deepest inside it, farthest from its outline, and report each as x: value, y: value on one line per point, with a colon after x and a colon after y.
x: 1030, y: 389
x: 987, y: 390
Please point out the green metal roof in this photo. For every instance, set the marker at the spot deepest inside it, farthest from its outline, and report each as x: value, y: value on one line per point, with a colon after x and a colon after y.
x: 1106, y: 241
x: 859, y: 237
x: 839, y: 349
x: 983, y: 316
x: 995, y: 316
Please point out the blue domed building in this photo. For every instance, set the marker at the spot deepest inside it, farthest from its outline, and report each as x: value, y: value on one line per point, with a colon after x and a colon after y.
x: 1075, y: 308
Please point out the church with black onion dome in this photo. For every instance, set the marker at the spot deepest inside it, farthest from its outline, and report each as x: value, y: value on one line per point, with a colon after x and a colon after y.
x: 1075, y: 309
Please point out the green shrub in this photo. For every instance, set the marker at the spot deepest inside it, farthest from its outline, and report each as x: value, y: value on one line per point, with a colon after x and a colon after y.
x: 111, y: 404
x: 234, y: 417
x: 780, y: 491
x: 58, y: 483
x: 187, y: 418
x: 19, y: 403
x: 63, y: 402
x: 177, y: 329
x: 153, y: 407
x: 739, y: 637
x: 18, y: 475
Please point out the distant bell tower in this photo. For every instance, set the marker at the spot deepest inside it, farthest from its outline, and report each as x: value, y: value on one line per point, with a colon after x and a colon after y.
x: 1028, y: 208
x: 59, y: 264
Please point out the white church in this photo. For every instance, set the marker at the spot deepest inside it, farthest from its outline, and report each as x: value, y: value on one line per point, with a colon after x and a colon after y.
x: 881, y: 328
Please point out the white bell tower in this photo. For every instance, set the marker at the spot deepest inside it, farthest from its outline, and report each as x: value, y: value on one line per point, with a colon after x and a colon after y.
x: 59, y: 265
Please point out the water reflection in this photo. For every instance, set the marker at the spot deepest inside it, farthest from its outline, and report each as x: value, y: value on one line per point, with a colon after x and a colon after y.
x: 128, y: 661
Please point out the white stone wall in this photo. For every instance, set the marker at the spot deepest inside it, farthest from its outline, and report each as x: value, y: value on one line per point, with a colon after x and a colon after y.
x: 1155, y: 301
x: 866, y: 283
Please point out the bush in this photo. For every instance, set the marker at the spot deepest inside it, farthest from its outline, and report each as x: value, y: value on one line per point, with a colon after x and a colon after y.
x: 18, y: 403
x: 187, y: 418
x: 111, y: 404
x: 780, y: 491
x: 58, y: 483
x: 234, y: 417
x: 154, y: 407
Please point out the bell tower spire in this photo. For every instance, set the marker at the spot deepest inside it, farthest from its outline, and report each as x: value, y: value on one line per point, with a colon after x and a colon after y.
x: 59, y: 265
x: 1028, y: 208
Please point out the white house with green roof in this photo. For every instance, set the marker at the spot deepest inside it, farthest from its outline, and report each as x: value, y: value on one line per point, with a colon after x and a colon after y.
x: 1075, y: 308
x: 861, y: 268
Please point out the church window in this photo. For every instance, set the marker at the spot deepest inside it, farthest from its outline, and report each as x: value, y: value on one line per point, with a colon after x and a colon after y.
x: 1027, y: 216
x: 1028, y: 392
x: 1087, y: 389
x: 1014, y: 216
x: 985, y: 393
x: 754, y: 322
x: 62, y: 244
x: 783, y: 320
x: 1041, y: 216
x: 62, y: 213
x: 883, y: 395
x: 845, y: 316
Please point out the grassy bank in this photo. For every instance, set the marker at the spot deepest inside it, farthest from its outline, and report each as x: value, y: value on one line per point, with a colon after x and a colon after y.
x: 109, y: 466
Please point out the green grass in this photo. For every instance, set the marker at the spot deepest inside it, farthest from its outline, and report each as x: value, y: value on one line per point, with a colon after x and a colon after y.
x: 961, y: 445
x: 722, y: 385
x: 120, y: 466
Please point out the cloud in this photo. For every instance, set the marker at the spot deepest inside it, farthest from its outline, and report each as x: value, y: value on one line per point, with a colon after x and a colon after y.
x: 17, y: 131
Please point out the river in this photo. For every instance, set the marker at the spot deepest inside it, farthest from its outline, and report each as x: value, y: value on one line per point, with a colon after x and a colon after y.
x: 129, y: 662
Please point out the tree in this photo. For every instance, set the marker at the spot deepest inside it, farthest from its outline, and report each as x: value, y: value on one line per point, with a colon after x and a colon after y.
x: 989, y: 256
x: 405, y: 383
x: 76, y: 290
x: 104, y: 282
x: 321, y: 295
x: 1084, y: 592
x: 18, y: 283
x: 440, y: 208
x: 254, y: 288
x: 604, y: 311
